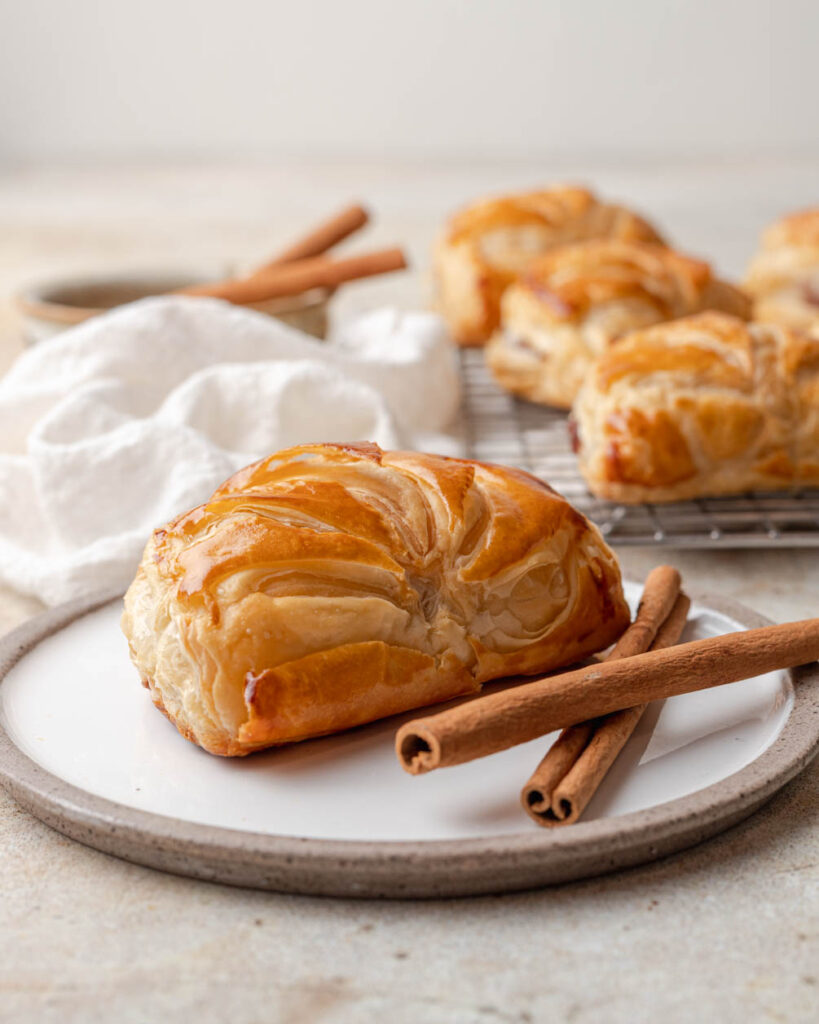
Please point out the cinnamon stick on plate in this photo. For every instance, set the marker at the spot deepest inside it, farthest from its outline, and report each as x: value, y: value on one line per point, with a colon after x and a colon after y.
x: 571, y: 772
x: 300, y: 276
x: 323, y: 237
x: 501, y: 720
x: 660, y: 592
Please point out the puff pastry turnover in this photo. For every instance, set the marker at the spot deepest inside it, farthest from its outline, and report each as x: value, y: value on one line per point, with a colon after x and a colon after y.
x: 330, y: 585
x: 784, y: 276
x: 570, y: 305
x: 707, y: 405
x: 485, y: 246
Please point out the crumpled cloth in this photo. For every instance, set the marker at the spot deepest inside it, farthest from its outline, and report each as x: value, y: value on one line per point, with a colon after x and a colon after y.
x: 115, y: 426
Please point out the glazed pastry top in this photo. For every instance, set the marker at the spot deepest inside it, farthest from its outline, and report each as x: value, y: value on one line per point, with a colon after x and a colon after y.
x: 507, y: 231
x: 571, y: 280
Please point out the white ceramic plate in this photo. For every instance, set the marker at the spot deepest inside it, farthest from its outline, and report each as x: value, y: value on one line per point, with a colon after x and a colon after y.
x: 72, y: 705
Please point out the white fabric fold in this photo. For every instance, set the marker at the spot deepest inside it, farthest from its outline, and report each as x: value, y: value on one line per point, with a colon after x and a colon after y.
x: 113, y: 427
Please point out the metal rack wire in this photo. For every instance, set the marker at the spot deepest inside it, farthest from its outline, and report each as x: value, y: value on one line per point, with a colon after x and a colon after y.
x: 499, y: 428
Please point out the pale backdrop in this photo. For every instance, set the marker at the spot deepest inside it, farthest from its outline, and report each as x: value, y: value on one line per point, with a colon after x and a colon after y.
x: 498, y: 79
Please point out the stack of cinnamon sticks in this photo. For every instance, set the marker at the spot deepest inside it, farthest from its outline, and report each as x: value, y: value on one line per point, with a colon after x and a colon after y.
x: 304, y: 265
x: 598, y: 707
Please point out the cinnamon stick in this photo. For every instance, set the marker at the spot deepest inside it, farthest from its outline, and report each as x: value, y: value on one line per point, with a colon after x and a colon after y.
x: 301, y: 276
x: 323, y: 237
x: 660, y: 592
x: 522, y: 713
x: 554, y: 796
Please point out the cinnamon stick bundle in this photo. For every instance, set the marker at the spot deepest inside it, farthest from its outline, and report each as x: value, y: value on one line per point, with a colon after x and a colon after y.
x: 574, y: 767
x: 501, y: 720
x: 660, y: 593
x: 300, y: 276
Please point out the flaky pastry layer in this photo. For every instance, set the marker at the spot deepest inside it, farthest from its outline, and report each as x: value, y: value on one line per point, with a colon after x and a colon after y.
x: 487, y: 245
x: 330, y: 585
x: 783, y: 277
x: 569, y: 306
x: 706, y: 405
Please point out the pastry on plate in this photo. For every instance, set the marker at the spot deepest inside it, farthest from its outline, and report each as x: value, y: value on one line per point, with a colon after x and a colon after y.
x: 485, y: 246
x: 570, y: 305
x: 707, y: 405
x: 331, y: 585
x: 784, y: 275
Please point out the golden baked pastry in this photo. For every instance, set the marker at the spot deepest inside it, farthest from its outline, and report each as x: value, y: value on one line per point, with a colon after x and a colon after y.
x: 330, y: 585
x: 485, y: 246
x: 784, y: 275
x: 570, y: 305
x: 707, y: 405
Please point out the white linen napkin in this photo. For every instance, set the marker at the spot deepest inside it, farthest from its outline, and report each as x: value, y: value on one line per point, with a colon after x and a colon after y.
x: 113, y: 427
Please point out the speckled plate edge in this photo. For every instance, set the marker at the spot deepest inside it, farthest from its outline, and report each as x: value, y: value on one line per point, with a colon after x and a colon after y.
x: 404, y: 869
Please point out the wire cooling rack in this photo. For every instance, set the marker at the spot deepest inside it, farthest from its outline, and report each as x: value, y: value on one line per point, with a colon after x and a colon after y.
x: 499, y: 428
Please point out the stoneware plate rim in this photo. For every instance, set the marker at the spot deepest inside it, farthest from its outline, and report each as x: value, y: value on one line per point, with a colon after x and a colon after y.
x: 424, y: 868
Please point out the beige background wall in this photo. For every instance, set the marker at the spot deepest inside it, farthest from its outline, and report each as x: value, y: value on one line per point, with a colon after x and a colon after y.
x: 492, y: 79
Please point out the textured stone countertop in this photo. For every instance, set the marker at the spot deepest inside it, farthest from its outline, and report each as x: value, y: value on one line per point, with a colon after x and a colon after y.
x: 727, y: 931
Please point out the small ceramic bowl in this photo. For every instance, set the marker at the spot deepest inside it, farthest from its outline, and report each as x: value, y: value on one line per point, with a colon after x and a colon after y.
x: 52, y: 306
